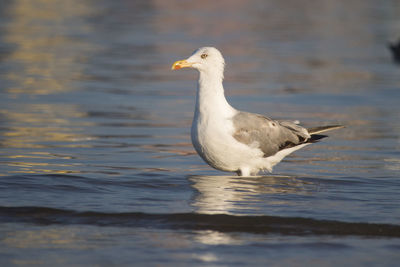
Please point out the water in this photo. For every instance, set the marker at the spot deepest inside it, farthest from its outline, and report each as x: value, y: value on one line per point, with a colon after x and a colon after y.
x: 96, y: 164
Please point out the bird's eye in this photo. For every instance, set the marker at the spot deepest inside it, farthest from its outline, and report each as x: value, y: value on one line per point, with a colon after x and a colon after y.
x: 203, y: 56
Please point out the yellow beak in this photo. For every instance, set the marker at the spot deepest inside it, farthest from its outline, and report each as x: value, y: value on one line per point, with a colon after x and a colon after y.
x: 181, y: 64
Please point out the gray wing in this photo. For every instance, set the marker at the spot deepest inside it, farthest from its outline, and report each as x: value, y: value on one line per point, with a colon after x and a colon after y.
x: 269, y: 135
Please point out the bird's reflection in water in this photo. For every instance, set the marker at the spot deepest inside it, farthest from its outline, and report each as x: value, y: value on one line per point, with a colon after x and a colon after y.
x: 245, y: 195
x: 235, y: 195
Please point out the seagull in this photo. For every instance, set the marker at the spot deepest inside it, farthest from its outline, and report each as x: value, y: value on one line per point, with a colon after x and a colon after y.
x: 237, y: 141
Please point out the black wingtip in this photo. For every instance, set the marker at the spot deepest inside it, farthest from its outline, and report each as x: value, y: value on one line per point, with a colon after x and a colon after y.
x: 316, y: 137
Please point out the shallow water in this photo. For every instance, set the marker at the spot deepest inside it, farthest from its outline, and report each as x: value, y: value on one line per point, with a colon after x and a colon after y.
x: 96, y: 164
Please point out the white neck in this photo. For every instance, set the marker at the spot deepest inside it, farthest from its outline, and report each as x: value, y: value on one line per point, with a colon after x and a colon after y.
x: 210, y: 99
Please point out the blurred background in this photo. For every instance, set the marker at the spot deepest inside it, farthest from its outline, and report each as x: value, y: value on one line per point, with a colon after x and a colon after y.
x: 92, y: 119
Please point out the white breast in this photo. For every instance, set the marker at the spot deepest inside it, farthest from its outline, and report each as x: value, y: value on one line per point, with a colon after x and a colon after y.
x: 213, y: 140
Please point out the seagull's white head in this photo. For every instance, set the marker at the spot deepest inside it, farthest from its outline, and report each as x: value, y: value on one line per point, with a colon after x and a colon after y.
x: 205, y: 59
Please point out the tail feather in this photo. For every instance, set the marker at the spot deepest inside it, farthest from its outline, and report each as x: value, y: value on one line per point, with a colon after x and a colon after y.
x: 321, y: 129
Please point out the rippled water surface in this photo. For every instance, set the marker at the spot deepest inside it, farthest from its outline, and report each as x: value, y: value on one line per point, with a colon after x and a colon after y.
x: 96, y: 163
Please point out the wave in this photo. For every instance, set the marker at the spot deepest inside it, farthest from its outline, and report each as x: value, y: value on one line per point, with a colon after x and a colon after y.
x: 195, y: 221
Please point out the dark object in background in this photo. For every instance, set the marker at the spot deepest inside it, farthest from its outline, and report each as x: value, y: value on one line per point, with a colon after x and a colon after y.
x: 395, y: 48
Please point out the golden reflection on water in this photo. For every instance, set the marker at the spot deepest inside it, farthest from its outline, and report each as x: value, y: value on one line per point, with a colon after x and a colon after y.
x: 31, y: 132
x: 48, y: 57
x: 43, y: 52
x: 38, y: 125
